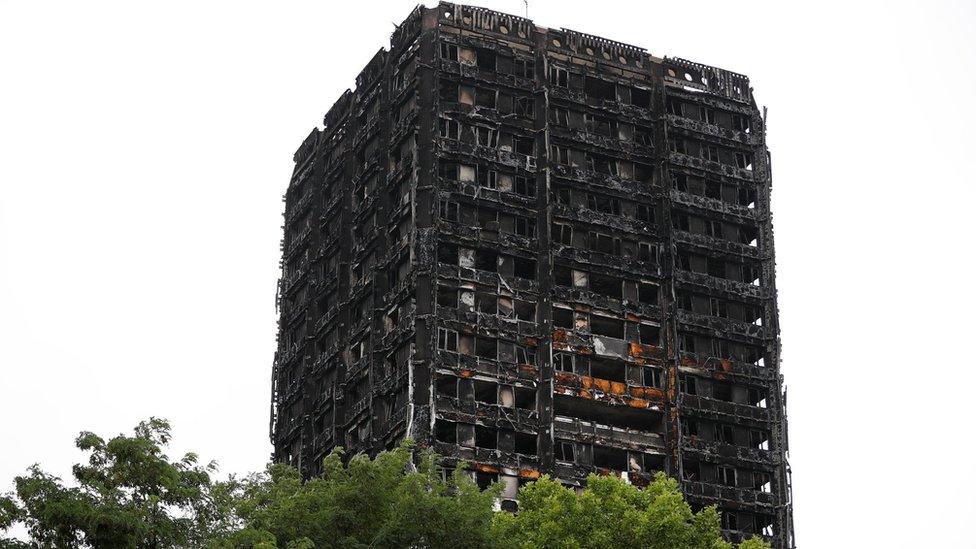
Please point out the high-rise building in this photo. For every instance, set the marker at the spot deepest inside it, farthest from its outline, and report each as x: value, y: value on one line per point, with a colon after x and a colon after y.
x: 540, y: 252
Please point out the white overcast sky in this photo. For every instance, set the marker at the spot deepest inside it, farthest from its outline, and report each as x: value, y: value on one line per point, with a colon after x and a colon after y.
x: 145, y: 146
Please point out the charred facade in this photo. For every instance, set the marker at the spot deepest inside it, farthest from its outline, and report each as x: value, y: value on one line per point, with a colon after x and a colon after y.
x: 538, y: 251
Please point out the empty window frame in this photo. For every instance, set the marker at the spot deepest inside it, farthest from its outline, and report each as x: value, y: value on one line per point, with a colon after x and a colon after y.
x: 564, y: 450
x: 525, y: 268
x: 525, y: 227
x: 486, y: 137
x: 558, y: 76
x: 486, y: 260
x: 562, y: 233
x: 649, y: 334
x: 486, y: 98
x: 449, y: 51
x: 725, y: 433
x: 605, y: 326
x: 730, y: 520
x: 647, y: 293
x: 759, y: 439
x: 726, y: 475
x: 524, y: 186
x: 525, y: 398
x: 447, y: 253
x: 485, y: 437
x: 485, y: 347
x: 526, y: 444
x: 448, y: 210
x: 606, y: 285
x: 486, y: 59
x: 609, y: 458
x: 559, y: 154
x: 523, y: 68
x: 445, y: 431
x: 603, y: 203
x: 487, y: 178
x: 525, y: 355
x: 485, y: 392
x: 608, y: 369
x: 559, y: 116
x: 562, y: 318
x: 524, y: 310
x: 447, y: 386
x: 563, y: 362
x: 449, y: 128
x: 653, y: 377
x: 524, y: 145
x: 447, y: 340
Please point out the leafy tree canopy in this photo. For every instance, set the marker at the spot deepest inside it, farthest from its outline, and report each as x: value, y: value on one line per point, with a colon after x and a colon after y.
x: 129, y: 494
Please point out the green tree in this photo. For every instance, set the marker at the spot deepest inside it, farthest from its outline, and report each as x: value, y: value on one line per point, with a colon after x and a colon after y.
x: 383, y: 502
x: 609, y: 513
x: 128, y: 495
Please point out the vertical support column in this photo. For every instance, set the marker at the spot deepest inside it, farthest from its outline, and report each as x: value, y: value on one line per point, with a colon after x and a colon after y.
x: 315, y: 179
x: 667, y: 298
x: 346, y: 244
x: 779, y: 443
x: 544, y: 393
x: 380, y: 277
x: 424, y: 241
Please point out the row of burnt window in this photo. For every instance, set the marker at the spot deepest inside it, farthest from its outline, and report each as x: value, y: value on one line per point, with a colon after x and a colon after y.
x: 610, y: 369
x: 486, y: 300
x: 587, y: 237
x: 485, y: 135
x: 709, y: 115
x: 719, y: 307
x: 601, y: 125
x: 488, y: 438
x: 749, y: 395
x: 617, y: 370
x: 601, y: 164
x: 737, y: 195
x: 486, y: 260
x: 470, y: 391
x: 488, y: 60
x: 597, y: 88
x: 484, y: 347
x: 738, y: 233
x: 506, y: 103
x: 639, y: 291
x: 502, y: 180
x: 606, y: 457
x: 745, y: 522
x: 707, y: 346
x: 565, y: 451
x: 486, y: 218
x: 605, y: 240
x: 600, y: 202
x: 565, y: 318
x: 745, y: 271
x: 726, y: 475
x: 711, y: 152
